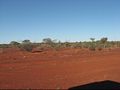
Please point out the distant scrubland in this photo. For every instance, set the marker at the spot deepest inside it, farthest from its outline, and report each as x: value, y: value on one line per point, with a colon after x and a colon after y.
x: 50, y: 44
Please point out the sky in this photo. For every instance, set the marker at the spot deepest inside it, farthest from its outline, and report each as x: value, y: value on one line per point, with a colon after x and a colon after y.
x: 65, y: 20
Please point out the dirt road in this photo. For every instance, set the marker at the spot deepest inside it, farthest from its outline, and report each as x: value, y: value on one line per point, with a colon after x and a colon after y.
x: 57, y: 69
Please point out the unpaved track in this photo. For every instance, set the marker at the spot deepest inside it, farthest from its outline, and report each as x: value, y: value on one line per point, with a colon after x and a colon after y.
x: 61, y: 69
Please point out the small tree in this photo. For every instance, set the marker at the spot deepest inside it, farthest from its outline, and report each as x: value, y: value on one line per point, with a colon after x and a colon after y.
x: 92, y: 45
x: 92, y: 39
x: 47, y: 40
x: 26, y: 45
x: 50, y: 42
x: 104, y: 41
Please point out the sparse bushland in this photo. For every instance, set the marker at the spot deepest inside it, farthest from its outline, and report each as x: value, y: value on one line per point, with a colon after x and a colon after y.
x: 49, y: 44
x: 99, y: 45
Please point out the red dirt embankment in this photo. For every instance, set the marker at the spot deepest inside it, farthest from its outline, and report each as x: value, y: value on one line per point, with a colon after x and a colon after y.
x: 57, y: 69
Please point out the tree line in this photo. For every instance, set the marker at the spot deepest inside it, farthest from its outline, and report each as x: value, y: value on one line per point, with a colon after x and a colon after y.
x: 48, y: 43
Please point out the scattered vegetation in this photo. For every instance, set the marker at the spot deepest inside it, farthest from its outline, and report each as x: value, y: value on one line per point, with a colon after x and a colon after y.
x: 48, y: 43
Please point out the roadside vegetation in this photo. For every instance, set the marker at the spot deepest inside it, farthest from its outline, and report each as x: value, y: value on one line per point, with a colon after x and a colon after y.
x: 49, y: 44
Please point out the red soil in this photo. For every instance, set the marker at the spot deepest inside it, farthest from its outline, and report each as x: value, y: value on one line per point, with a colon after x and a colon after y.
x: 57, y: 69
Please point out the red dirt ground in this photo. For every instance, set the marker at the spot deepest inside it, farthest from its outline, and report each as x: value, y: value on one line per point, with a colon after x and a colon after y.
x: 57, y: 69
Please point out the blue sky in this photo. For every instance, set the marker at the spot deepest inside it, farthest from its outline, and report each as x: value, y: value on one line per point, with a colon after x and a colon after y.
x: 65, y: 20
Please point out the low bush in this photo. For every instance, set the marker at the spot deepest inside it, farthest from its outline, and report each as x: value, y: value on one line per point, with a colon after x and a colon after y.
x: 92, y: 48
x: 26, y: 47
